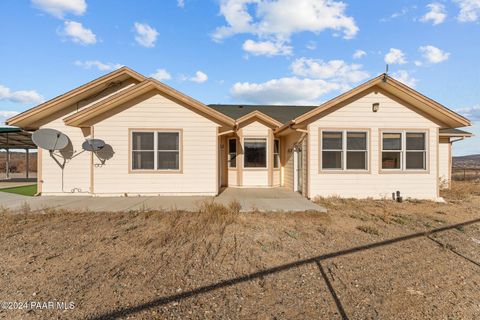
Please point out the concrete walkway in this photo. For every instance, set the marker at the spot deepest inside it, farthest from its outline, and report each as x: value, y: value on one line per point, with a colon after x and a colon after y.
x: 261, y: 199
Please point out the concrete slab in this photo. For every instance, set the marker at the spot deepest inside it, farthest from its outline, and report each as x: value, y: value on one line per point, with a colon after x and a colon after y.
x: 255, y: 199
x: 268, y: 200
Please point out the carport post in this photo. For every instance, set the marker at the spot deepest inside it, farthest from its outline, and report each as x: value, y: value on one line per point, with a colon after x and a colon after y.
x: 27, y: 156
x: 7, y: 167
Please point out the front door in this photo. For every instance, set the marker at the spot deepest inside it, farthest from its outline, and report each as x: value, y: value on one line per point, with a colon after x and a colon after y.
x: 297, y: 169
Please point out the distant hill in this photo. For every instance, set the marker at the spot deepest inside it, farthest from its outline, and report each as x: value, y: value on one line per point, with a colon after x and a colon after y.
x: 469, y: 161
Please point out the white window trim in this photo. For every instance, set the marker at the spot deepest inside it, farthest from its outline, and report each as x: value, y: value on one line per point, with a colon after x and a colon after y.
x: 403, y: 151
x: 155, y: 150
x: 344, y: 151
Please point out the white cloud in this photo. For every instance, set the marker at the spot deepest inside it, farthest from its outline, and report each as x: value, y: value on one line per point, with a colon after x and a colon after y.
x: 289, y: 90
x: 358, y: 54
x: 146, y: 35
x: 181, y: 3
x: 395, y: 56
x: 436, y: 14
x: 78, y: 33
x: 267, y: 48
x: 21, y: 96
x: 472, y: 113
x: 161, y: 75
x: 279, y: 19
x: 311, y: 79
x: 89, y: 64
x: 433, y: 54
x: 5, y: 114
x: 418, y: 63
x: 58, y: 8
x: 199, y: 77
x: 404, y: 77
x: 469, y: 10
x: 336, y: 70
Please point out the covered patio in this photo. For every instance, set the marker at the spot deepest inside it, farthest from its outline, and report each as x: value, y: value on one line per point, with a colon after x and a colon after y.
x: 15, y: 139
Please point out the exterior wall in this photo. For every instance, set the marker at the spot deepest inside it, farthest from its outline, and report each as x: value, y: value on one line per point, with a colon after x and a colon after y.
x: 392, y: 114
x: 76, y: 178
x: 289, y: 142
x: 253, y: 177
x: 444, y: 162
x: 199, y: 173
x: 276, y: 178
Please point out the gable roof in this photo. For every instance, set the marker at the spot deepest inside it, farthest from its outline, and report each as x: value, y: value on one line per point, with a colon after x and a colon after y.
x: 383, y: 81
x: 259, y: 115
x: 281, y: 113
x: 29, y: 117
x: 80, y: 118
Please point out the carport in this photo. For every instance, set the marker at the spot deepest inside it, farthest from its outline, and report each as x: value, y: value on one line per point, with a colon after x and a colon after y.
x: 14, y: 138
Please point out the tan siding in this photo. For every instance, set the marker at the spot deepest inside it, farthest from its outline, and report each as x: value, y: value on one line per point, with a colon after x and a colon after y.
x: 358, y: 114
x: 157, y: 112
x: 444, y: 164
x: 290, y: 140
x: 76, y: 175
x: 276, y: 178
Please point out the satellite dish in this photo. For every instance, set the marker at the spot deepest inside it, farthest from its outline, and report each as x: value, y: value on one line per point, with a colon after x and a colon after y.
x: 93, y: 145
x: 50, y: 139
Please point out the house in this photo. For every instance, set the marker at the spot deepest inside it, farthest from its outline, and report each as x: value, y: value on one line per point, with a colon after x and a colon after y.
x: 376, y: 139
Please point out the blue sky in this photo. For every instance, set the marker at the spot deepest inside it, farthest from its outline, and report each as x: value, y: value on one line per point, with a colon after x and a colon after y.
x: 248, y: 51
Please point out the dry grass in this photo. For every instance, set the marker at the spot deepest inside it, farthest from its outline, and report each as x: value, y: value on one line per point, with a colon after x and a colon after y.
x: 461, y: 190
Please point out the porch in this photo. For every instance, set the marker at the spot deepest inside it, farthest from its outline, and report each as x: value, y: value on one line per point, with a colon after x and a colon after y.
x: 251, y: 199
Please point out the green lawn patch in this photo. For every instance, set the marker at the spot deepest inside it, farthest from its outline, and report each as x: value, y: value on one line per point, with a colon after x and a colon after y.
x: 29, y: 190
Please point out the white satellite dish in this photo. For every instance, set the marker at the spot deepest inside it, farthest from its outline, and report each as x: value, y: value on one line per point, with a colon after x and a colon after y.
x: 93, y: 145
x: 50, y: 139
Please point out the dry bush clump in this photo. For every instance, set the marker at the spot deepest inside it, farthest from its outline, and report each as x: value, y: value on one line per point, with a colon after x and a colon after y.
x: 461, y: 191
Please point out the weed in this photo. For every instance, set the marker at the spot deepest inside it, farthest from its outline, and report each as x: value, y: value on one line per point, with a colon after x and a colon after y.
x: 369, y: 229
x: 460, y: 228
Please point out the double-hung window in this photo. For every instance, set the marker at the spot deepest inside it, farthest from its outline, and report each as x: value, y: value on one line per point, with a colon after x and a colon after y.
x: 276, y: 153
x: 344, y: 150
x: 404, y: 151
x: 156, y: 150
x: 232, y: 153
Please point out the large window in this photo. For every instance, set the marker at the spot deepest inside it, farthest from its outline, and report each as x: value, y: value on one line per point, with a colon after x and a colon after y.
x: 276, y: 153
x: 344, y: 150
x: 156, y: 150
x: 404, y: 151
x: 255, y: 152
x: 232, y: 153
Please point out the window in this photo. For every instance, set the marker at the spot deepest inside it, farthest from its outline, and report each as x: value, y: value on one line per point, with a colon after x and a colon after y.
x: 392, y: 151
x: 404, y: 151
x: 168, y: 151
x: 232, y: 153
x: 356, y: 150
x: 276, y: 153
x: 332, y: 149
x: 255, y: 152
x: 416, y: 151
x: 143, y: 153
x: 344, y: 150
x: 157, y: 150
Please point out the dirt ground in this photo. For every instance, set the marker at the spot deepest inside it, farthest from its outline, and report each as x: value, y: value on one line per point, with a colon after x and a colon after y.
x: 362, y: 260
